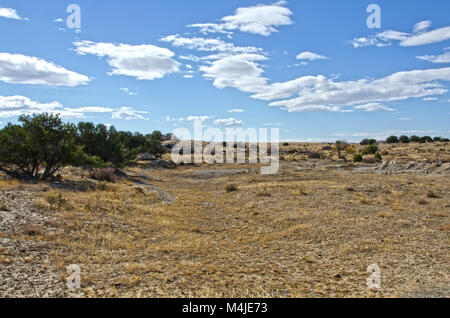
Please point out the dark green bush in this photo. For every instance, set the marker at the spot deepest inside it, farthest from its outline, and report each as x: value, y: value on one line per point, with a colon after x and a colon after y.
x: 370, y: 150
x: 357, y: 158
x: 404, y: 139
x: 39, y: 148
x: 378, y: 157
x: 392, y: 140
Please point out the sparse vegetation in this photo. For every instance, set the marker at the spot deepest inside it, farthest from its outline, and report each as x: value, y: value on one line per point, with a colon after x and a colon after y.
x: 340, y: 146
x: 231, y: 187
x: 357, y: 158
x: 370, y: 150
x: 139, y: 235
x: 392, y: 140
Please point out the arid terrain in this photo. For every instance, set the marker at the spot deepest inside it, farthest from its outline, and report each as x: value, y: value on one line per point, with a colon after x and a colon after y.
x: 227, y: 231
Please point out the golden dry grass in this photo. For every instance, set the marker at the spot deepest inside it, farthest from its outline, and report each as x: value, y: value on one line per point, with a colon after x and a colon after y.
x: 308, y: 233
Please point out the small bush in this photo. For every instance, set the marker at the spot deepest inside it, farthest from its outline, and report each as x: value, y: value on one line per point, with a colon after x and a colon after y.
x: 378, y: 157
x: 370, y: 150
x: 367, y: 142
x: 231, y: 187
x: 432, y: 195
x: 264, y: 193
x: 392, y: 140
x: 414, y: 138
x: 105, y: 174
x: 314, y: 155
x: 404, y: 139
x: 350, y: 151
x: 357, y: 158
x: 286, y: 144
x: 55, y: 200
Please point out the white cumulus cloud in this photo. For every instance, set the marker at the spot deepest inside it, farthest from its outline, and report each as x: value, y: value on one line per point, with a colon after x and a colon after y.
x: 22, y: 69
x: 260, y: 19
x: 144, y: 62
x: 10, y: 14
x: 318, y: 93
x: 237, y: 71
x: 310, y: 56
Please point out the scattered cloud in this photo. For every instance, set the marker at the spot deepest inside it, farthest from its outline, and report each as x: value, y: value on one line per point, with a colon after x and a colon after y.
x: 373, y: 107
x: 237, y: 71
x: 318, y: 93
x: 421, y: 26
x: 192, y: 58
x: 420, y: 36
x: 59, y: 20
x: 227, y: 122
x: 128, y: 91
x: 9, y: 13
x: 13, y: 106
x: 22, y: 69
x: 310, y: 56
x: 208, y: 45
x: 442, y: 58
x: 260, y: 19
x: 144, y: 62
x: 236, y: 110
x: 128, y: 113
x: 429, y: 99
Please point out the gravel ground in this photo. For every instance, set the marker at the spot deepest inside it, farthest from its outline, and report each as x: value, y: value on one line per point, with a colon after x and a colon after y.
x: 25, y: 265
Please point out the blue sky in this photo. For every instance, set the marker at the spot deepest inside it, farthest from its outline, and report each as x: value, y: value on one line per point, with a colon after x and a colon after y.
x: 313, y: 69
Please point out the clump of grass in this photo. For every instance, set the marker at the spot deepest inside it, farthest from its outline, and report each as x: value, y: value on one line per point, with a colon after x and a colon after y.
x: 385, y: 215
x: 32, y: 230
x: 103, y: 174
x: 263, y: 193
x: 3, y: 206
x: 422, y: 202
x: 432, y: 195
x: 350, y: 189
x: 231, y: 187
x: 55, y: 200
x: 298, y: 190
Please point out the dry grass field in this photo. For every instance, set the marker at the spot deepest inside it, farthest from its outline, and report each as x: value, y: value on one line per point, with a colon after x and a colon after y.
x: 227, y: 231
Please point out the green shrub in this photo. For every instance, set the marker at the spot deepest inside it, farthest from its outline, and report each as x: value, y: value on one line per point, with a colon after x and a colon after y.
x: 357, y: 158
x: 392, y: 140
x: 370, y: 150
x: 42, y: 142
x: 378, y: 156
x: 404, y: 139
x: 367, y: 142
